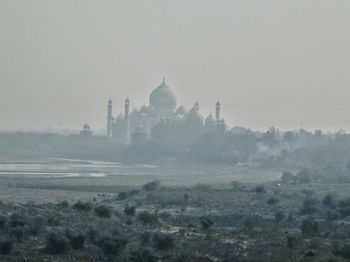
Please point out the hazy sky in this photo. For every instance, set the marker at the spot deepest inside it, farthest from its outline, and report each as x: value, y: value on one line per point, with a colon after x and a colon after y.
x: 284, y: 62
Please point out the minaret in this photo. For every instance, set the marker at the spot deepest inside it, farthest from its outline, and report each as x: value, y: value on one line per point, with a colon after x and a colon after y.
x: 109, y: 119
x: 127, y: 122
x: 126, y: 111
x: 217, y: 112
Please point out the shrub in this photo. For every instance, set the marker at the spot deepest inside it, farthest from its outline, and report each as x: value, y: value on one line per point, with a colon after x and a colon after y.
x: 18, y: 233
x: 103, y: 211
x: 206, y: 223
x: 145, y: 238
x: 3, y: 221
x: 343, y: 251
x: 17, y: 220
x: 6, y: 244
x: 147, y: 218
x: 36, y: 225
x: 92, y: 235
x: 56, y: 244
x: 186, y: 197
x: 53, y: 221
x: 309, y: 207
x: 288, y: 177
x: 304, y: 176
x: 307, y: 192
x: 344, y: 203
x: 310, y: 227
x: 112, y: 246
x: 279, y: 216
x: 129, y: 210
x: 143, y: 255
x: 272, y: 200
x: 332, y: 215
x: 63, y: 204
x: 77, y: 241
x: 291, y: 241
x: 329, y: 201
x: 345, y: 212
x: 260, y: 189
x: 152, y: 186
x: 82, y: 206
x: 123, y: 195
x: 163, y: 241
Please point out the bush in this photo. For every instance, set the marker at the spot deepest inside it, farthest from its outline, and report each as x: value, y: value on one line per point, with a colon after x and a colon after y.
x: 288, y: 177
x: 143, y: 255
x: 63, y: 204
x: 145, y: 238
x: 92, y: 235
x: 53, y: 221
x: 291, y: 241
x: 343, y: 251
x: 103, y: 211
x: 3, y: 221
x: 152, y: 186
x: 332, y: 215
x: 309, y: 207
x: 147, y: 218
x: 124, y: 195
x: 345, y: 212
x: 77, y: 241
x: 304, y: 177
x: 310, y: 227
x: 329, y: 201
x: 18, y: 233
x: 17, y: 220
x: 129, y: 210
x: 6, y: 245
x: 206, y: 223
x: 260, y: 189
x: 36, y: 225
x: 56, y: 244
x: 272, y: 200
x: 82, y: 206
x: 344, y: 203
x: 279, y: 216
x: 112, y: 246
x: 163, y: 241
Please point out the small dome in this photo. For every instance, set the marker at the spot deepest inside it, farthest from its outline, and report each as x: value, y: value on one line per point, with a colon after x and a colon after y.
x: 163, y: 99
x: 143, y: 109
x: 210, y: 121
x: 193, y: 116
x: 86, y: 127
x: 181, y: 110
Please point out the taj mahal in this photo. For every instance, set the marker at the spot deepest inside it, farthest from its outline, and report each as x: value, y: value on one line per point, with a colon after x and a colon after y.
x: 162, y: 110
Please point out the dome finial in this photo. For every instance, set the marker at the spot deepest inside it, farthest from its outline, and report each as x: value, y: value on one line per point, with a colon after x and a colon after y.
x: 163, y: 79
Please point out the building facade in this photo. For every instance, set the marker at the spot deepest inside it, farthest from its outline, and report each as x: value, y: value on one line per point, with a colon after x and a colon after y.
x: 162, y: 108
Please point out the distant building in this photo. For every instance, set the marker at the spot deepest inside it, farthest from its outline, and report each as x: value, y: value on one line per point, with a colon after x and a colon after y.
x: 137, y: 125
x: 86, y: 130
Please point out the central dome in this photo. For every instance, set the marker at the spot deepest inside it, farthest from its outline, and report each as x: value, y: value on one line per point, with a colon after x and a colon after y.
x: 163, y: 99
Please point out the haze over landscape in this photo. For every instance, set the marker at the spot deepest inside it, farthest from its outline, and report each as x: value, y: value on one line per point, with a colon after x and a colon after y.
x: 281, y: 63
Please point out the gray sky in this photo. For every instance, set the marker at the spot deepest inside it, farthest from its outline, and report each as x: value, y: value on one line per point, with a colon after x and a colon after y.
x: 284, y: 62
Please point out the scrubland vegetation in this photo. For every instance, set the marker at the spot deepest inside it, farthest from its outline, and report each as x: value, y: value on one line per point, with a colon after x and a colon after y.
x: 282, y: 221
x: 302, y: 216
